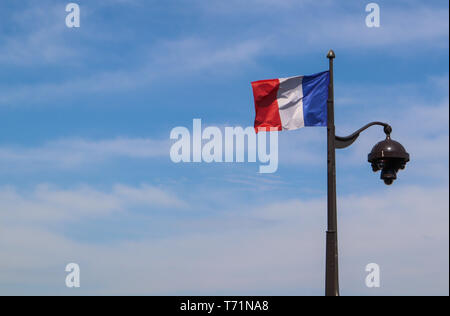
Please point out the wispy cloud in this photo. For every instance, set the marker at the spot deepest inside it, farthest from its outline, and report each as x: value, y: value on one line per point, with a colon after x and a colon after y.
x: 213, y: 231
x: 168, y: 59
x: 163, y: 58
x: 48, y: 204
x: 342, y: 27
x: 39, y: 37
x: 266, y: 249
x: 72, y: 153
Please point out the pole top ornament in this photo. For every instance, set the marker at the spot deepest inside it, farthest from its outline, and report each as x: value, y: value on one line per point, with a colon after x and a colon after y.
x: 331, y: 54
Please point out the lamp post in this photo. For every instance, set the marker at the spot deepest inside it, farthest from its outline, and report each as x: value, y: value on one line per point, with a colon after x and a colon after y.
x: 388, y: 156
x: 331, y: 273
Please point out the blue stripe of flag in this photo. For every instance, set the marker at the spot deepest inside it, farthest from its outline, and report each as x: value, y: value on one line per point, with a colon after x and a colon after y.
x: 315, y: 95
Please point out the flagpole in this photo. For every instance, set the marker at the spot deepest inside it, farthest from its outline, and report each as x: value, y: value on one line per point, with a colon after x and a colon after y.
x: 331, y: 272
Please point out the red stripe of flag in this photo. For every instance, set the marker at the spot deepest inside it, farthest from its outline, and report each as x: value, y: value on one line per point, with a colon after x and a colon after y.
x: 266, y: 104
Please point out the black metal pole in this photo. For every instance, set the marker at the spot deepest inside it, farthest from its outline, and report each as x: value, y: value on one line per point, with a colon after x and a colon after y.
x: 331, y: 273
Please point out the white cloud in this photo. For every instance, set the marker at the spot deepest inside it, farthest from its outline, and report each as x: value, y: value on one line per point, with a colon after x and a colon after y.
x: 72, y: 153
x: 38, y: 37
x: 322, y: 24
x: 146, y: 195
x: 418, y: 27
x: 339, y: 26
x: 195, y: 54
x: 185, y: 56
x: 50, y: 204
x: 269, y: 249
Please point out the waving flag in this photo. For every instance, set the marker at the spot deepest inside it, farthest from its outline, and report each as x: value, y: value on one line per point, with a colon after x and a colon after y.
x: 291, y: 103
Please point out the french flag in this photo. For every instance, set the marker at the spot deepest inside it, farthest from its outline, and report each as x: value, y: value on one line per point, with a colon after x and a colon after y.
x: 291, y: 103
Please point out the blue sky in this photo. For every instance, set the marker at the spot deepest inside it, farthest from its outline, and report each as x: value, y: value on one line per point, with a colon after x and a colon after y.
x: 85, y: 172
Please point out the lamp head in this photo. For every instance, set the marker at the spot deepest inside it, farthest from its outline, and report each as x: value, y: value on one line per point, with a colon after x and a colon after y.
x: 388, y: 156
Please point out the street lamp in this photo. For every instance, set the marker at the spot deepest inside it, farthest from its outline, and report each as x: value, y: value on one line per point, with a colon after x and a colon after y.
x: 388, y: 156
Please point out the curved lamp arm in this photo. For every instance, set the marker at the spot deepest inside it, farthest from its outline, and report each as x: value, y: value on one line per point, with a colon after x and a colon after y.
x: 343, y: 142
